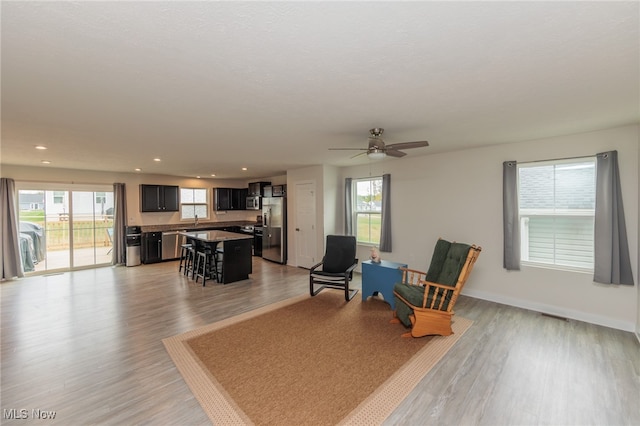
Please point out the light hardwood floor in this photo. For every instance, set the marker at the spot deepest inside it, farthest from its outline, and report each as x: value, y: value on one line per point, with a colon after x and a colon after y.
x: 87, y: 345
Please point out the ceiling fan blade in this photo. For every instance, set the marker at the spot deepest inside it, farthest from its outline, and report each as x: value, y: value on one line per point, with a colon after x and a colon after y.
x: 394, y: 153
x: 407, y: 145
x: 358, y: 155
x: 347, y: 149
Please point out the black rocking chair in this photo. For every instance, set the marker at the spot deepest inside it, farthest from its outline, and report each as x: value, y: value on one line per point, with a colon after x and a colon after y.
x: 336, y: 268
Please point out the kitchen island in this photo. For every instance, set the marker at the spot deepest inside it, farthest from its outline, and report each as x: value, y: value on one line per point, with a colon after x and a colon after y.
x: 236, y: 260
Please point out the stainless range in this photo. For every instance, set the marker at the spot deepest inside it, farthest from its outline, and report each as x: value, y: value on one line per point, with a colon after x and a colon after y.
x: 256, y: 231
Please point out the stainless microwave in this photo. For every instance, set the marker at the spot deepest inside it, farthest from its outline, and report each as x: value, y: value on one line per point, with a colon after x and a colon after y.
x: 253, y: 203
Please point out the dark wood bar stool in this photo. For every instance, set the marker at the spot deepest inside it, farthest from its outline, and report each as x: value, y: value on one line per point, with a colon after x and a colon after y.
x: 218, y: 261
x: 186, y: 257
x: 204, y: 263
x: 202, y: 267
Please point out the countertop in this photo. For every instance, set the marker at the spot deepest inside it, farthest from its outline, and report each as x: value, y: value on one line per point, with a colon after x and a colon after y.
x: 192, y: 227
x: 215, y: 236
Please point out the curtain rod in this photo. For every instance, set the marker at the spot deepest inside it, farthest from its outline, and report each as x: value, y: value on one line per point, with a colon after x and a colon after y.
x: 565, y: 158
x: 62, y: 182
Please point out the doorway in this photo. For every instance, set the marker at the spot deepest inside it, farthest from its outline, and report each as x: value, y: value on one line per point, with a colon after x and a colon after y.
x: 305, y: 221
x: 63, y: 228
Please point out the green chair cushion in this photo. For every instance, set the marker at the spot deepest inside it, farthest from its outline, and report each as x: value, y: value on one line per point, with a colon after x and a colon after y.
x: 437, y: 260
x: 411, y: 293
x: 454, y: 261
x: 402, y: 312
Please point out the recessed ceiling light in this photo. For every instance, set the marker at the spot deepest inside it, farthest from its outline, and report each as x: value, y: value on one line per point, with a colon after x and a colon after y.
x: 138, y: 170
x: 45, y: 162
x: 157, y: 159
x: 244, y: 168
x: 197, y: 177
x: 212, y: 175
x: 40, y: 147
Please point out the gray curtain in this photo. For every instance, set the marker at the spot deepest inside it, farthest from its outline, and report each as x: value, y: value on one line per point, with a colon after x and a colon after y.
x: 385, y: 230
x: 348, y: 213
x: 119, y: 253
x: 612, y: 264
x: 10, y: 247
x: 510, y: 223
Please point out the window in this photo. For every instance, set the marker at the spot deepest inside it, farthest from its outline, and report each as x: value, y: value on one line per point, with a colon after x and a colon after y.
x: 556, y: 208
x: 193, y: 203
x: 58, y: 197
x: 101, y: 197
x: 367, y: 210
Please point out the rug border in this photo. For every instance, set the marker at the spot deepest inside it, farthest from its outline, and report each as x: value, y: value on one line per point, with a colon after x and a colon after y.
x: 221, y: 409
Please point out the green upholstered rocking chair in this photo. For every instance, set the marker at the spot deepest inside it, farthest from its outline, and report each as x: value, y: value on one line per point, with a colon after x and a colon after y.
x: 425, y: 300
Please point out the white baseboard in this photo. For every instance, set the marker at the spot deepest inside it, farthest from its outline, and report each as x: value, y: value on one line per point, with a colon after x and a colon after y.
x: 553, y: 310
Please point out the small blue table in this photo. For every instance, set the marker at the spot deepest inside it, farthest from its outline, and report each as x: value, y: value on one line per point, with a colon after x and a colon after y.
x: 380, y: 278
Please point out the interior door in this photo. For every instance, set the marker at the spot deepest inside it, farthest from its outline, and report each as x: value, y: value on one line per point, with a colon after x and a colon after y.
x: 305, y: 211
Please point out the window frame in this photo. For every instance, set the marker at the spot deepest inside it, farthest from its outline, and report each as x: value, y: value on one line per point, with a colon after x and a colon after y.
x: 194, y: 204
x: 525, y: 215
x: 356, y: 213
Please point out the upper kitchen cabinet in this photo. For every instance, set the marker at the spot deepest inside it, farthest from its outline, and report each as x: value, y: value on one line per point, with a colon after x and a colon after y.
x: 256, y: 189
x: 159, y: 198
x: 230, y: 199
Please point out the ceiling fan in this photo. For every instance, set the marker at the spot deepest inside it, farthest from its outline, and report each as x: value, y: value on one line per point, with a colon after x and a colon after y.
x: 377, y: 149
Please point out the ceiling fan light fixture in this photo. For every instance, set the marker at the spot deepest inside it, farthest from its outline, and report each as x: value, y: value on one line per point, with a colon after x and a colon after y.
x: 376, y: 154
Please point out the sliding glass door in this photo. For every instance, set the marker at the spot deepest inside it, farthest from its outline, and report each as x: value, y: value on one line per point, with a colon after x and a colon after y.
x: 63, y: 228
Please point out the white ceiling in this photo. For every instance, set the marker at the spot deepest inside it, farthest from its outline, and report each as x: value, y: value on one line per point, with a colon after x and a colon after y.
x: 210, y: 87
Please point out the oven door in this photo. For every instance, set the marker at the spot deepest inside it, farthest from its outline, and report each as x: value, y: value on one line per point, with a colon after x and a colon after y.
x: 253, y: 203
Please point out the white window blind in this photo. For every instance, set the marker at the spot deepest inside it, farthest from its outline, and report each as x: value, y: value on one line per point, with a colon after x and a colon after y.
x: 193, y: 202
x: 556, y: 207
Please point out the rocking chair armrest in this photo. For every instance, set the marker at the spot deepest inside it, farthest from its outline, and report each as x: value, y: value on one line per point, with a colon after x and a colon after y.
x: 427, y: 284
x: 314, y: 267
x: 412, y: 276
x: 438, y: 288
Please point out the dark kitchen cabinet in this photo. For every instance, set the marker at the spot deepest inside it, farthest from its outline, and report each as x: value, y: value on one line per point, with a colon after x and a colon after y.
x: 275, y: 191
x: 256, y: 189
x: 222, y: 199
x: 239, y: 197
x: 230, y: 199
x: 151, y: 247
x: 159, y: 198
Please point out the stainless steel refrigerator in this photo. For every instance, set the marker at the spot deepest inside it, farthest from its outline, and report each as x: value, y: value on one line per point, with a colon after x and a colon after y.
x: 274, y: 228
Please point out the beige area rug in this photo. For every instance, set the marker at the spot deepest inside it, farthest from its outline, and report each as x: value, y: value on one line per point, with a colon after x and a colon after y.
x: 306, y: 361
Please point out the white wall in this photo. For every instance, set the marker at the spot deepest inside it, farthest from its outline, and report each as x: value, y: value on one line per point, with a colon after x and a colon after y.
x: 332, y: 194
x: 458, y: 196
